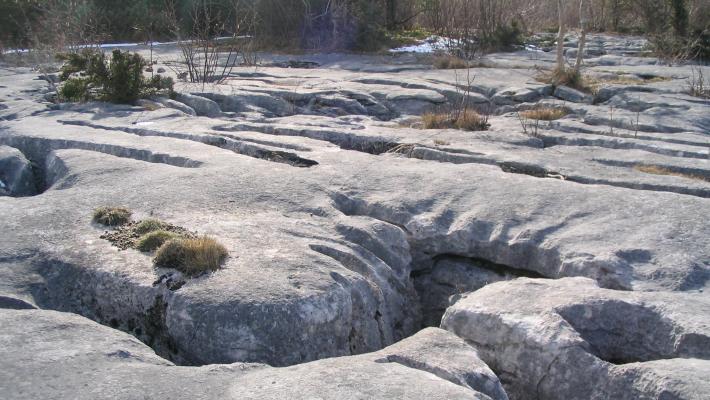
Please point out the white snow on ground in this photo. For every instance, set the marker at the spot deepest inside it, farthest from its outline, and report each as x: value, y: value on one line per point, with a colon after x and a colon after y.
x: 532, y: 47
x: 429, y: 45
x: 118, y: 45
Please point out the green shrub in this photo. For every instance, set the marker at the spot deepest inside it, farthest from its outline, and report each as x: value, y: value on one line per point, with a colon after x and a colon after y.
x: 75, y: 90
x: 112, y: 216
x: 153, y: 240
x: 149, y: 225
x: 191, y: 256
x: 75, y: 63
x: 118, y: 80
x: 503, y: 38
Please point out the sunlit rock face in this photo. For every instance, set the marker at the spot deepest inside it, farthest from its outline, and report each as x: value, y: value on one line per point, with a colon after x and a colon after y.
x: 566, y: 258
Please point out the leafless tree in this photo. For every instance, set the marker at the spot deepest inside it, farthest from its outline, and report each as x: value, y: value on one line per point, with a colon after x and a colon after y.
x: 206, y: 56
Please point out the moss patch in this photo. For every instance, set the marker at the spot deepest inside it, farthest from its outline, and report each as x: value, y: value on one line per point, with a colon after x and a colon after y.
x: 151, y: 241
x: 128, y: 236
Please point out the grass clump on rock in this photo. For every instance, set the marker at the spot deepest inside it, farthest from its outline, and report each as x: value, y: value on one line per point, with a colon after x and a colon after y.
x: 448, y: 61
x: 153, y: 240
x: 191, y: 256
x: 112, y: 216
x: 149, y: 225
x: 468, y: 120
x: 659, y: 170
x: 566, y: 77
x: 545, y: 113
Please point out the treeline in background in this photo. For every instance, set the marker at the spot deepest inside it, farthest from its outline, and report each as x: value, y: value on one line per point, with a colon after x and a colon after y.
x: 673, y: 26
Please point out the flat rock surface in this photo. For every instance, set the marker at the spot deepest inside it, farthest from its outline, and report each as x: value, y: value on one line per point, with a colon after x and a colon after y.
x: 349, y: 227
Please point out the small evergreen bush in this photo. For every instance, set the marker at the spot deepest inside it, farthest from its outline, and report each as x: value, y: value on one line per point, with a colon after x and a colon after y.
x: 118, y: 80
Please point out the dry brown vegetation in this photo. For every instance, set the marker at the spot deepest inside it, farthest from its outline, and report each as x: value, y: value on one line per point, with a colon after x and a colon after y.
x: 446, y: 61
x: 143, y: 235
x: 546, y: 113
x: 564, y: 77
x: 697, y: 85
x: 467, y: 120
x: 191, y: 256
x: 659, y: 170
x: 112, y: 216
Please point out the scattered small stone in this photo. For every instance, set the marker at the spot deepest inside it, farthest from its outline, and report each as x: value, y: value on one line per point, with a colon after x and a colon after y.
x: 126, y: 237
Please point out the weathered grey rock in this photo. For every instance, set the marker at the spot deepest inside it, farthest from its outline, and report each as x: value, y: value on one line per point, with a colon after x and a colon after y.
x: 573, y: 95
x: 148, y: 104
x: 47, y: 354
x: 328, y: 210
x: 170, y: 103
x: 202, y: 106
x: 16, y: 175
x: 569, y: 339
x: 521, y: 95
x: 442, y: 283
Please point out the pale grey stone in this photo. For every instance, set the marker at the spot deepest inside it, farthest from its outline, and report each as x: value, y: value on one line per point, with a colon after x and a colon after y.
x: 48, y: 354
x: 569, y: 339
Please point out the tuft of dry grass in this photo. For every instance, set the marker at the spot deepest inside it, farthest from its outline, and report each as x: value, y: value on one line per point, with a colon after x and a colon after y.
x: 467, y: 120
x: 546, y: 113
x: 436, y: 121
x: 153, y: 240
x: 191, y: 256
x: 447, y: 61
x: 697, y: 85
x: 112, y: 216
x: 565, y: 77
x: 441, y: 142
x: 149, y: 225
x: 659, y: 170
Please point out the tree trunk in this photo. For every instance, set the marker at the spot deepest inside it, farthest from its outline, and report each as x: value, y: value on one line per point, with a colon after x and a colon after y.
x: 582, y: 39
x: 391, y: 15
x: 561, y: 38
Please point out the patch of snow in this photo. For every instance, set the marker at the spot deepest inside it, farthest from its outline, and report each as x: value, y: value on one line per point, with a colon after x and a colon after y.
x: 429, y: 45
x: 121, y: 45
x: 15, y: 51
x: 532, y: 47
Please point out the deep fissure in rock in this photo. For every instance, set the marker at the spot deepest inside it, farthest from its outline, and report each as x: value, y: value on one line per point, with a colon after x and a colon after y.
x: 441, y: 281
